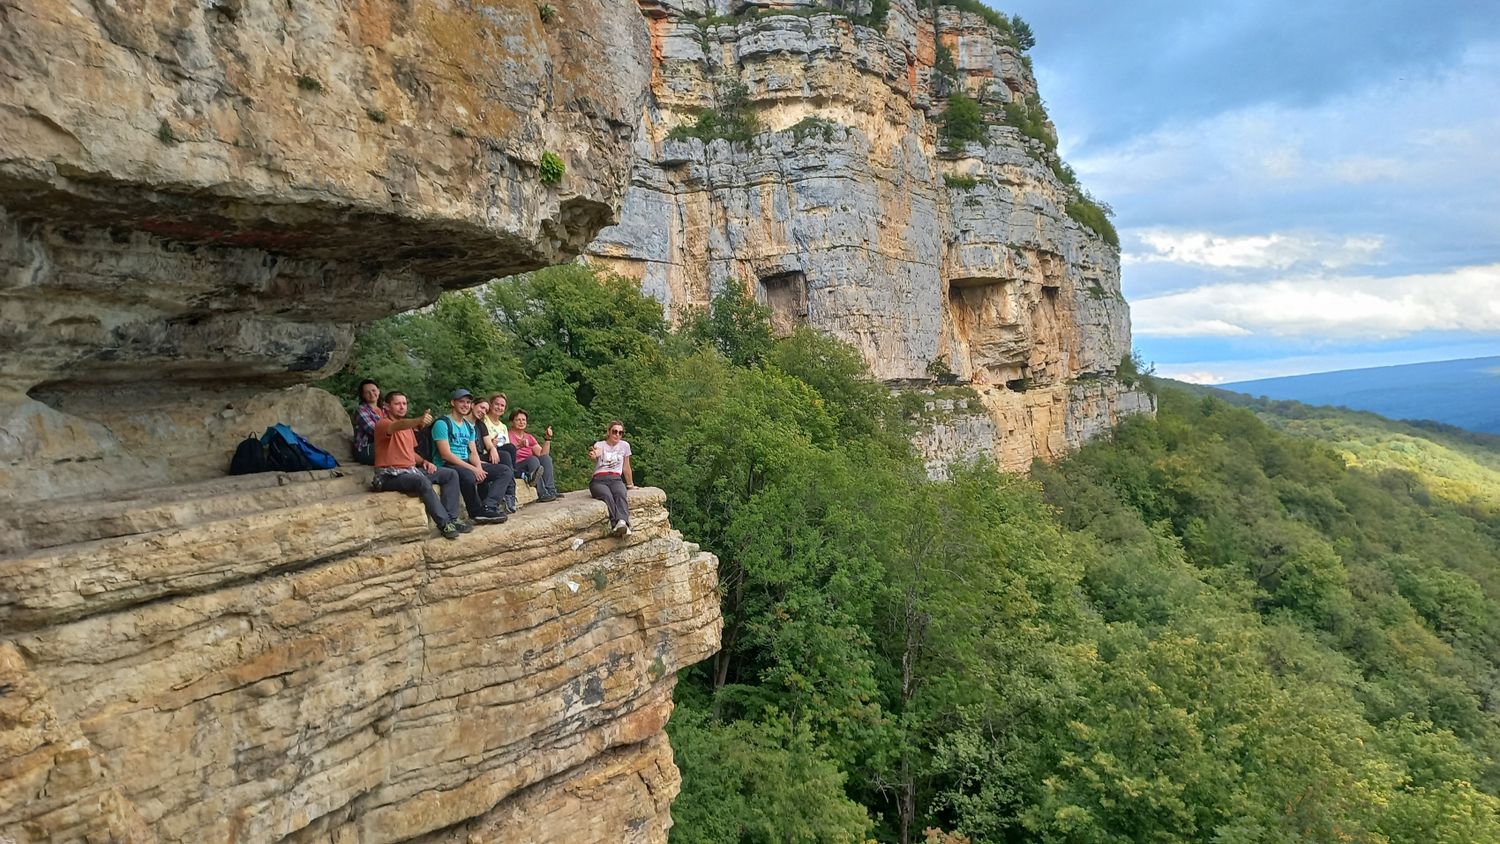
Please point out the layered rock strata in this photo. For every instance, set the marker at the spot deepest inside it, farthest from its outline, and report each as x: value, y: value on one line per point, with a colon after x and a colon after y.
x: 847, y: 212
x: 199, y: 200
x: 344, y: 677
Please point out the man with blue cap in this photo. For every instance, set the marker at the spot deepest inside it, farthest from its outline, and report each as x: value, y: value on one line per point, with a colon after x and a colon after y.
x: 482, y: 484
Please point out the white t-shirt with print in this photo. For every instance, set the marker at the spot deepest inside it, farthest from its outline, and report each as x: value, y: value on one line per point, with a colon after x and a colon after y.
x: 611, y: 458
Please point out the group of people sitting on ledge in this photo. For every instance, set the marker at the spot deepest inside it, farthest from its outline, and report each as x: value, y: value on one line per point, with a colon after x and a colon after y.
x: 476, y: 456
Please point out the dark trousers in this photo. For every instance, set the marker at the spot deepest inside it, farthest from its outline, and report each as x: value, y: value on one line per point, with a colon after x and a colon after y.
x: 539, y: 467
x: 611, y: 490
x: 483, y: 497
x: 420, y: 483
x: 508, y: 459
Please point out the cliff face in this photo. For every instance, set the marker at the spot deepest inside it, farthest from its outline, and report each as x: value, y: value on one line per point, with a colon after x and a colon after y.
x: 310, y: 667
x: 199, y: 199
x: 847, y: 212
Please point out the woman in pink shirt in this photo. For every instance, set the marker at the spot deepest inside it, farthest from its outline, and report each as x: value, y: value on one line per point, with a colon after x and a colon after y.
x: 611, y: 457
x: 533, y: 457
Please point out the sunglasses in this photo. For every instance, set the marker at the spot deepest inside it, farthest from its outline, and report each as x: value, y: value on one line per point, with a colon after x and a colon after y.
x: 617, y: 430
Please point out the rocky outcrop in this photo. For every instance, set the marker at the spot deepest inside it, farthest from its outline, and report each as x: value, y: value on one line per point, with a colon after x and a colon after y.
x: 199, y: 200
x: 844, y: 210
x: 231, y: 661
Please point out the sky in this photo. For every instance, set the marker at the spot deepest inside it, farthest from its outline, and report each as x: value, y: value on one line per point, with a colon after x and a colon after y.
x: 1298, y: 186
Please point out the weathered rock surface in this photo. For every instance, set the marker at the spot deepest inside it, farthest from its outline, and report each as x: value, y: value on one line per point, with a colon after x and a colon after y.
x: 341, y: 676
x: 848, y: 214
x: 206, y: 197
x: 199, y: 200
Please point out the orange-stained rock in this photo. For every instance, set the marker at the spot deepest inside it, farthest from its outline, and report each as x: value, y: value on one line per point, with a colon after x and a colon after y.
x: 406, y: 687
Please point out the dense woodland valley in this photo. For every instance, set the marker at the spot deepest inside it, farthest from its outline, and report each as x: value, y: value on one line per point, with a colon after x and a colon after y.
x: 1260, y: 623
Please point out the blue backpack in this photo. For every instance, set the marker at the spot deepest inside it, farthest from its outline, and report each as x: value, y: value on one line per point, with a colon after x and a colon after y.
x: 287, y: 451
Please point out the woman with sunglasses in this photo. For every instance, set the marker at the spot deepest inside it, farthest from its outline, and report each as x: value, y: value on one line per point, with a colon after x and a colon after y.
x: 612, y: 477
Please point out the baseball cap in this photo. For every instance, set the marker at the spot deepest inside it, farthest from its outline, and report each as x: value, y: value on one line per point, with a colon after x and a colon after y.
x: 460, y: 393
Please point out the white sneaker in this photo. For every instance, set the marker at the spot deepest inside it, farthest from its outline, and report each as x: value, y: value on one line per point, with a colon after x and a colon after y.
x: 628, y: 531
x: 620, y: 528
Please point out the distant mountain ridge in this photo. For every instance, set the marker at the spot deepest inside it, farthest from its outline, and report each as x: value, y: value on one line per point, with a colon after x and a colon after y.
x: 1463, y: 393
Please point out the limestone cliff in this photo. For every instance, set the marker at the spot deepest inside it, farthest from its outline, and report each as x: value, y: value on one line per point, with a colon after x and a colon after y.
x: 847, y: 212
x: 199, y: 200
x: 232, y: 661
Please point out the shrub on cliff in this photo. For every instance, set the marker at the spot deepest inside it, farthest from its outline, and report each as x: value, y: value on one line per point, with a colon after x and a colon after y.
x: 962, y: 122
x: 974, y: 7
x: 1091, y: 215
x: 1031, y: 118
x: 733, y: 119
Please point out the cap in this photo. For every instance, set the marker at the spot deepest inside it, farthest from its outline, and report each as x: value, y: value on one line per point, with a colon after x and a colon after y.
x: 460, y: 393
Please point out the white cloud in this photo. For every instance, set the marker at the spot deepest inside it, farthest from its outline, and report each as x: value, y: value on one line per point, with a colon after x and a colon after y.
x: 1194, y: 376
x: 1269, y: 251
x: 1413, y: 160
x: 1465, y: 299
x: 1230, y: 371
x: 1364, y: 169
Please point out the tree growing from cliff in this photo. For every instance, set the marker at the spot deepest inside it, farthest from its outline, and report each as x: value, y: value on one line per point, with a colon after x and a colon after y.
x: 962, y: 122
x: 1024, y: 37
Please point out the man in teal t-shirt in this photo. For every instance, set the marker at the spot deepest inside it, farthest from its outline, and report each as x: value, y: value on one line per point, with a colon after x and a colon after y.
x: 481, y: 484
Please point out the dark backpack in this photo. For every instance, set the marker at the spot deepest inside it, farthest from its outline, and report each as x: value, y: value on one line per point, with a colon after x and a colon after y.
x: 249, y: 457
x: 424, y: 443
x: 287, y: 451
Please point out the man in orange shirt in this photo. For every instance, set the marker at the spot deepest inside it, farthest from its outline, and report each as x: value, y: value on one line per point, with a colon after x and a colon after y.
x: 398, y: 468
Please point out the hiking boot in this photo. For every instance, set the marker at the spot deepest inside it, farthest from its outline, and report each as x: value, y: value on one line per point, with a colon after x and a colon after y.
x: 510, y: 504
x: 491, y: 516
x: 545, y: 498
x: 449, y: 531
x: 463, y: 525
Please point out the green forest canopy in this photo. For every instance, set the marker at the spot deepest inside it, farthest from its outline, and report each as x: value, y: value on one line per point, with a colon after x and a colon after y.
x: 1205, y: 630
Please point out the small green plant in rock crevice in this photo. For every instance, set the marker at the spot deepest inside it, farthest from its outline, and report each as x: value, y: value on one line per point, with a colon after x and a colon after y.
x: 600, y: 577
x: 960, y: 182
x: 309, y: 83
x: 547, y: 12
x: 375, y: 115
x: 552, y: 168
x: 165, y: 134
